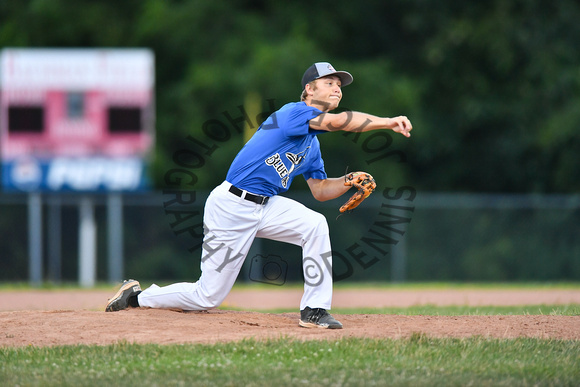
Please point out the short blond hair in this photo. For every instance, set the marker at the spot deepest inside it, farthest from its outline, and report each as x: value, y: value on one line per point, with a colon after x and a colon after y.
x: 304, y: 93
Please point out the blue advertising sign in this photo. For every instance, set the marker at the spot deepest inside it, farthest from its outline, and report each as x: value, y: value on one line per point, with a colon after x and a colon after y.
x: 81, y: 174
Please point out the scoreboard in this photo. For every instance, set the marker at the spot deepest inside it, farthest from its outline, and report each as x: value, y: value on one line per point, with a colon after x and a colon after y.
x: 79, y: 120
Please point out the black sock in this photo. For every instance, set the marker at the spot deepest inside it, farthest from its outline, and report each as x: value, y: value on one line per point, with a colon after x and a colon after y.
x: 133, y: 301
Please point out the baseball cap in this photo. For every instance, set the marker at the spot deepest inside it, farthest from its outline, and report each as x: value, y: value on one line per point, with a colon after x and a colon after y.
x: 322, y: 69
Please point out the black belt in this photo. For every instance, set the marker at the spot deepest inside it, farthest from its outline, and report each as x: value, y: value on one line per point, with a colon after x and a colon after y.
x: 251, y: 197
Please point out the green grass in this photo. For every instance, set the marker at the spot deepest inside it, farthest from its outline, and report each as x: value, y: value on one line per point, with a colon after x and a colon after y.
x: 557, y: 285
x: 431, y: 310
x: 416, y: 361
x: 514, y: 285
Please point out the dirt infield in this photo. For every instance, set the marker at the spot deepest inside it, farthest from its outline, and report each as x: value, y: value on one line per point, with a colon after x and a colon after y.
x: 42, y: 318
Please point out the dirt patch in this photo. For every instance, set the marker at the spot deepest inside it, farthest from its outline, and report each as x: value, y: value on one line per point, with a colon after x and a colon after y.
x: 77, y: 317
x: 69, y: 327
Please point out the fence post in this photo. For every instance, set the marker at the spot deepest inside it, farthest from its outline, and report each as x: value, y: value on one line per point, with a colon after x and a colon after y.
x: 87, y: 243
x: 54, y: 238
x: 115, y: 237
x: 35, y: 238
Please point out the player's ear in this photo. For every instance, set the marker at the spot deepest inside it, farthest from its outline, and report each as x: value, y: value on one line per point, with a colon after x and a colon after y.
x: 309, y: 88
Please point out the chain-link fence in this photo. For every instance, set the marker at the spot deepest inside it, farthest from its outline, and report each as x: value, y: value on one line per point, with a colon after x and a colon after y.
x: 398, y: 236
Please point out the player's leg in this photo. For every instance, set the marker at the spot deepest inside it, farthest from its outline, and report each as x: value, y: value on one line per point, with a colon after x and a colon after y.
x: 288, y: 221
x: 230, y: 225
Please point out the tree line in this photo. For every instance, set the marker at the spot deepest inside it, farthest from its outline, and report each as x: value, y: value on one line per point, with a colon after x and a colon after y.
x: 492, y: 87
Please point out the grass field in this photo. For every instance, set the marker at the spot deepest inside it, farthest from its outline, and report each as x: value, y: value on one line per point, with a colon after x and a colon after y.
x: 430, y: 310
x: 73, y: 286
x: 452, y: 310
x: 418, y: 360
x: 414, y: 361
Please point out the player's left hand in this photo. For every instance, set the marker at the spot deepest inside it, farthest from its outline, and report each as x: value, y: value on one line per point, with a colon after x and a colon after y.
x: 365, y: 185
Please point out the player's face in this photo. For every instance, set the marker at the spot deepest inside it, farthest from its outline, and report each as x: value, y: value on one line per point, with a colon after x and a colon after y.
x: 328, y: 91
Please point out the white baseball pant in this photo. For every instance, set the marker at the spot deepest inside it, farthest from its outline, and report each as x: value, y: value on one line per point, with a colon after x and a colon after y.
x: 231, y: 224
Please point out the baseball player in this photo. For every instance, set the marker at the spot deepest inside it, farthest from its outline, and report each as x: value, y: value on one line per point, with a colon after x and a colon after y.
x: 247, y: 204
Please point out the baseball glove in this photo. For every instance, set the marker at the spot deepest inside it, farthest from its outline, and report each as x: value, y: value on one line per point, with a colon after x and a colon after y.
x: 365, y: 185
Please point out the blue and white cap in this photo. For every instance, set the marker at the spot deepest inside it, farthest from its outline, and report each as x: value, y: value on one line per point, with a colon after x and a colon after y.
x: 322, y: 69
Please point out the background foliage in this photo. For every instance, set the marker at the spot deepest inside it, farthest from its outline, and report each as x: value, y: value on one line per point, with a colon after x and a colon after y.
x: 492, y: 87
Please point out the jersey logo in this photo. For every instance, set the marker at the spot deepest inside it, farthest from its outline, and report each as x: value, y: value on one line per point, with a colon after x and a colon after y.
x: 284, y: 173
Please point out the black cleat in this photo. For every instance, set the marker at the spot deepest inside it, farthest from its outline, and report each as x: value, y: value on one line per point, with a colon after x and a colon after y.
x: 122, y: 299
x: 318, y: 318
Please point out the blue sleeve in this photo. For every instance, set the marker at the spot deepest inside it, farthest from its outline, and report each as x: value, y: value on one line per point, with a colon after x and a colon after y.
x: 316, y: 170
x: 319, y: 174
x: 298, y: 120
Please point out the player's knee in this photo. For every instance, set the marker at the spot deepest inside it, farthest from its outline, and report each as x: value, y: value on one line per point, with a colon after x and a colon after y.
x: 317, y: 224
x: 208, y: 300
x: 211, y: 302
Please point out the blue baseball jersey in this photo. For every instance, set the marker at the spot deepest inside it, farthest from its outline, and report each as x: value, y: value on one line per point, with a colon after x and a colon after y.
x: 283, y: 147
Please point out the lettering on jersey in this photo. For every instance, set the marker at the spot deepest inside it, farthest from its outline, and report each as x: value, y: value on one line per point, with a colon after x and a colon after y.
x: 276, y: 162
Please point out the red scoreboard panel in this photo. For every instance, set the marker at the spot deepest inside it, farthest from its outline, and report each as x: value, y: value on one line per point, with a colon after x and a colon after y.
x: 76, y: 119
